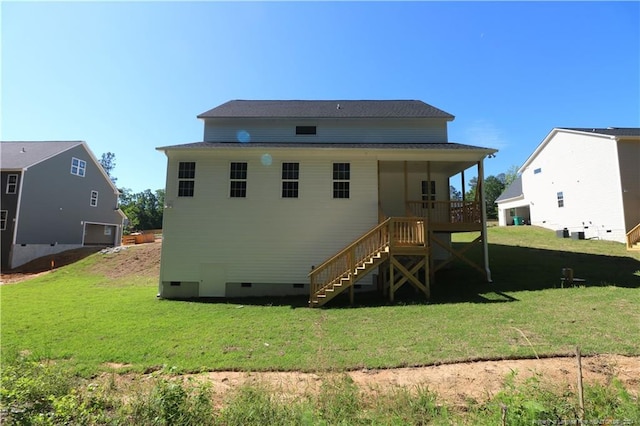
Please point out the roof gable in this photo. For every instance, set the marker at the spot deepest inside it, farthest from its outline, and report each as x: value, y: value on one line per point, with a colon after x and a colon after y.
x: 22, y: 154
x: 19, y: 155
x: 609, y: 133
x: 513, y: 190
x: 326, y: 109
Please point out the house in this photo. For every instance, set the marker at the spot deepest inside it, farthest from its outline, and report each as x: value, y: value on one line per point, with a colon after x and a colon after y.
x: 581, y: 182
x: 55, y: 197
x: 315, y: 197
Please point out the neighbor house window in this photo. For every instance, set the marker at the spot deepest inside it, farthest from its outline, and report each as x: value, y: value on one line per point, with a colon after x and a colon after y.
x: 290, y: 176
x: 238, y: 180
x: 93, y: 202
x: 3, y: 219
x: 78, y: 167
x: 186, y: 178
x: 305, y: 130
x: 428, y: 192
x: 341, y: 177
x: 560, y: 199
x: 12, y: 184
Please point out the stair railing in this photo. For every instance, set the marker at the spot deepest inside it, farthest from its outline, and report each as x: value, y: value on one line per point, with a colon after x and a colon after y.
x: 344, y: 263
x: 633, y: 236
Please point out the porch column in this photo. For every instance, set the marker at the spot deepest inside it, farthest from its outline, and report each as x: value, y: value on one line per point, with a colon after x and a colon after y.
x: 485, y: 245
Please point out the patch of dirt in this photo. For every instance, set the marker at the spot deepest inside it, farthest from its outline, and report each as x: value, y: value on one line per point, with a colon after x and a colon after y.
x: 139, y: 259
x: 455, y: 384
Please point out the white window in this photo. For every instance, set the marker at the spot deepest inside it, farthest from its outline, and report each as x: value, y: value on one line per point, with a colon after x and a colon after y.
x: 78, y: 167
x: 238, y: 180
x: 3, y: 219
x: 186, y: 178
x: 290, y: 179
x: 94, y: 199
x: 107, y: 230
x: 12, y: 184
x: 341, y: 177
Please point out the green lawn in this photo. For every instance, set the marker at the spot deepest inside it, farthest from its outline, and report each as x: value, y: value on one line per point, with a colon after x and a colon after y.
x: 84, y: 320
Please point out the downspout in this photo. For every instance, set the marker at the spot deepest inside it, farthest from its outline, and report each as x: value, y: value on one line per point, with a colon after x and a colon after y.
x: 485, y: 244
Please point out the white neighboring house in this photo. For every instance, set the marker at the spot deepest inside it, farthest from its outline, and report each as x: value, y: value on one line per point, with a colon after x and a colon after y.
x: 280, y: 188
x: 583, y: 180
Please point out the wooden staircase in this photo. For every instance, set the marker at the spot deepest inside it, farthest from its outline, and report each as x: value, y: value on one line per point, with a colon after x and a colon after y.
x: 633, y: 239
x: 342, y: 271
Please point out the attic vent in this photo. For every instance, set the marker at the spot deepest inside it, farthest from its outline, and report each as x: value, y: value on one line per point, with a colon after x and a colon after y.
x: 305, y: 130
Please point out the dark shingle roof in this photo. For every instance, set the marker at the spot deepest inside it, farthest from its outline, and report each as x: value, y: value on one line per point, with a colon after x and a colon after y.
x: 18, y: 155
x: 325, y: 109
x: 308, y: 145
x: 514, y: 190
x: 611, y: 131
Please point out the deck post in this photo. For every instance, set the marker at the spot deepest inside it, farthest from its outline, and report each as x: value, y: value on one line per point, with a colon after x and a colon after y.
x: 483, y: 206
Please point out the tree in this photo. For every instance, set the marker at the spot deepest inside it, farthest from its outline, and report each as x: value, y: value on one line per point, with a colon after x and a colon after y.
x: 493, y: 187
x: 143, y: 209
x: 108, y: 163
x: 454, y: 193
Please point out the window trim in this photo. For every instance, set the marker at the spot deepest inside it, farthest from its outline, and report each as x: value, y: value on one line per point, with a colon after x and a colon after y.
x: 4, y: 218
x: 294, y: 190
x: 81, y: 167
x: 341, y: 184
x: 238, y: 185
x: 186, y: 176
x: 12, y: 187
x: 93, y: 200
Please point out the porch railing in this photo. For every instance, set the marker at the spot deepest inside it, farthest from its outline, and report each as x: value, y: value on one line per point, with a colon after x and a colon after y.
x: 451, y: 212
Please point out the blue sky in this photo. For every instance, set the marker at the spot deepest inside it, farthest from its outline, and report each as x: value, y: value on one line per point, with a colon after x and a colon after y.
x: 130, y: 77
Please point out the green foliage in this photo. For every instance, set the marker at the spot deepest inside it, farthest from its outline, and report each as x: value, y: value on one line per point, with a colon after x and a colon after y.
x: 255, y: 405
x: 171, y: 402
x: 108, y: 163
x: 143, y: 209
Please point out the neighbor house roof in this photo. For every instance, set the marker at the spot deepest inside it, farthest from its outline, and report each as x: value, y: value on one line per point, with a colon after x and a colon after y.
x: 610, y: 131
x: 309, y: 145
x: 514, y: 190
x: 22, y: 154
x: 326, y: 109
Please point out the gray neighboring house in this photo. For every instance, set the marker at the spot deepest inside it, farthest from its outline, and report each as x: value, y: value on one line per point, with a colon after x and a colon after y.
x: 55, y: 197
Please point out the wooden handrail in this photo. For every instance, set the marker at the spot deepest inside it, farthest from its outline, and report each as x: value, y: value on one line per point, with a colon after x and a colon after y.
x: 633, y: 236
x: 459, y: 211
x: 393, y: 232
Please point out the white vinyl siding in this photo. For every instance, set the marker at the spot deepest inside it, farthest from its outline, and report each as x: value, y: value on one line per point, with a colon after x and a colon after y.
x: 264, y: 241
x: 329, y: 131
x: 584, y: 168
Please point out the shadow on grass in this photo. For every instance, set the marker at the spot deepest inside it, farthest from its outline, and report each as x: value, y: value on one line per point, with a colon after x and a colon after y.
x: 513, y: 269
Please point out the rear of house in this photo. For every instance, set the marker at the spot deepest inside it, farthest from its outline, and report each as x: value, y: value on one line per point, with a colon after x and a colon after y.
x: 278, y: 187
x: 55, y: 197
